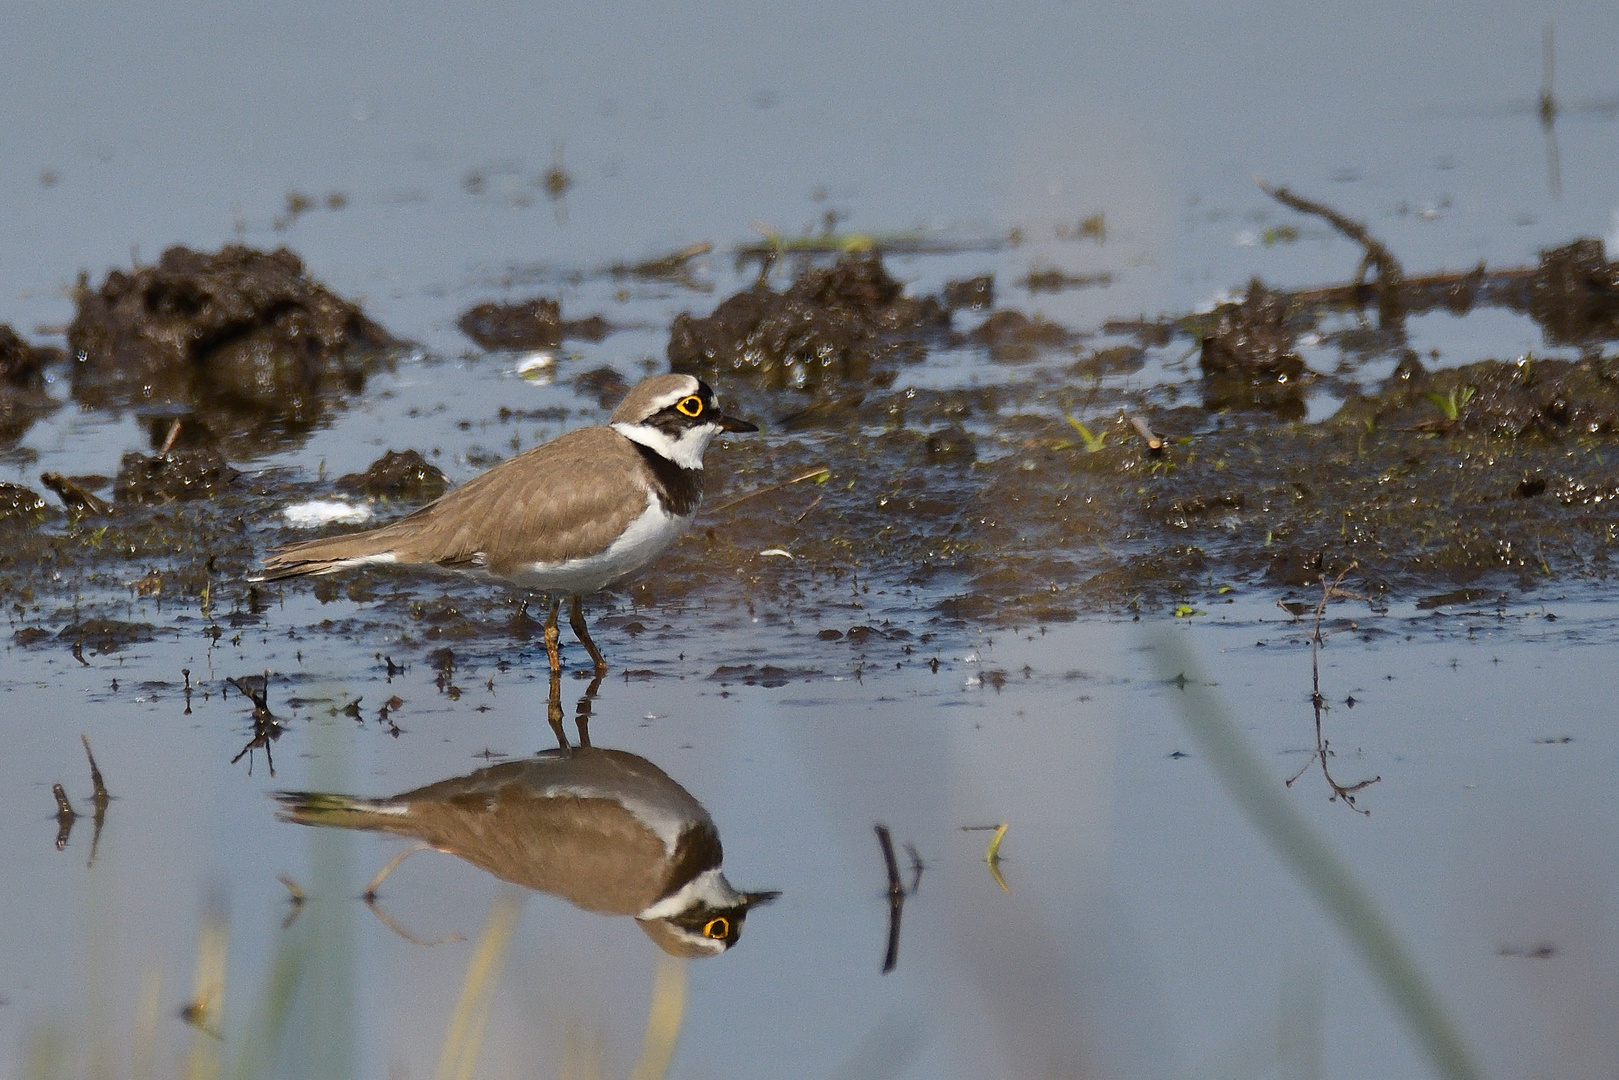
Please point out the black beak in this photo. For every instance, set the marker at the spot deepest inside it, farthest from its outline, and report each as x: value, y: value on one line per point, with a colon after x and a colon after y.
x: 731, y: 423
x: 758, y: 899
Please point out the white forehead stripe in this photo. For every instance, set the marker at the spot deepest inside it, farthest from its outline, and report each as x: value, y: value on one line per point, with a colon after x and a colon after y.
x: 663, y: 401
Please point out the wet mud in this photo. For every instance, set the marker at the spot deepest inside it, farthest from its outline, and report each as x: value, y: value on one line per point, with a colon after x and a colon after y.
x: 398, y: 475
x: 240, y: 343
x: 529, y: 324
x: 23, y: 398
x: 895, y: 509
x: 833, y: 325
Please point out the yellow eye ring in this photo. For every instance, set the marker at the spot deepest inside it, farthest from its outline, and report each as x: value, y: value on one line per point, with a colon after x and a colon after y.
x: 691, y: 406
x: 717, y: 928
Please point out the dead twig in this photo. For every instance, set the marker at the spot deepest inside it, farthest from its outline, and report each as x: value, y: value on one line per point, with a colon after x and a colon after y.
x: 388, y: 921
x: 1154, y: 443
x: 295, y: 900
x: 1390, y: 275
x: 101, y: 797
x: 65, y: 816
x: 818, y: 471
x: 1330, y: 591
x: 896, y: 892
x: 266, y: 728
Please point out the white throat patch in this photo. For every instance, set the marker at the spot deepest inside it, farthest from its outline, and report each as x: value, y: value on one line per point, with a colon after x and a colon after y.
x: 686, y: 451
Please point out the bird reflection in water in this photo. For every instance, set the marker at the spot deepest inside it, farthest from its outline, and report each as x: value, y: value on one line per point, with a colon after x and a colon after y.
x: 606, y: 830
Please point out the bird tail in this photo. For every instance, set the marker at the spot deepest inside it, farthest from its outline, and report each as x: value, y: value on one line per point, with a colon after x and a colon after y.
x: 324, y: 556
x: 339, y: 811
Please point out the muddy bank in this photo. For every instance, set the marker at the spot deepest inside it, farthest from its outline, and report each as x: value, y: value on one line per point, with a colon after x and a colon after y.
x: 871, y: 503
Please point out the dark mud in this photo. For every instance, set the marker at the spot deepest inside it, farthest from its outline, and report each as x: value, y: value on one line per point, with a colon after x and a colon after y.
x: 1248, y: 358
x: 242, y: 344
x: 398, y: 475
x: 198, y: 473
x: 23, y: 398
x: 882, y: 506
x: 529, y: 324
x: 850, y: 322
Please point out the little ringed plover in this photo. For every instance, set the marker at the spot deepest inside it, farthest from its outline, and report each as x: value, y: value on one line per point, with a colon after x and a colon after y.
x: 569, y: 517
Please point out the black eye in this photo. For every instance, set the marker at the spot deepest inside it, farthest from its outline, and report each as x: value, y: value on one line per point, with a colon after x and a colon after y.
x: 719, y: 927
x: 691, y: 406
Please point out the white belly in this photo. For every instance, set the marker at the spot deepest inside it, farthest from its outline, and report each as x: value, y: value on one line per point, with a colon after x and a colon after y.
x: 647, y: 535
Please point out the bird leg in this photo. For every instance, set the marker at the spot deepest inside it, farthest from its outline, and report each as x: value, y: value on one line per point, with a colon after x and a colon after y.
x: 553, y: 711
x: 576, y: 619
x: 581, y: 719
x: 552, y: 650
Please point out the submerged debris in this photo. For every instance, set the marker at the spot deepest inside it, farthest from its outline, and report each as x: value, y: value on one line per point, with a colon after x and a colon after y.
x: 675, y: 267
x: 104, y: 635
x: 1050, y: 279
x: 75, y: 492
x: 972, y: 294
x: 847, y: 322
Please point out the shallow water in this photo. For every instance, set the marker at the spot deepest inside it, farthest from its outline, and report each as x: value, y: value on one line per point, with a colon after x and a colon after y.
x: 1145, y: 928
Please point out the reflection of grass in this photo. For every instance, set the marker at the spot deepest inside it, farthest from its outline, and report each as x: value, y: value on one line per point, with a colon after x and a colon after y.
x: 663, y: 1019
x: 464, y: 1039
x: 1314, y: 864
x: 301, y: 1021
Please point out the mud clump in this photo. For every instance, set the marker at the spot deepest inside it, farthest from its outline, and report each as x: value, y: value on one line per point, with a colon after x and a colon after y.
x: 849, y: 321
x: 952, y: 445
x: 22, y: 384
x: 1248, y: 359
x: 972, y: 294
x: 398, y: 475
x: 240, y: 334
x: 20, y: 505
x: 605, y: 384
x: 77, y: 492
x: 1574, y: 295
x: 1548, y: 399
x: 1012, y: 337
x: 178, y: 476
x: 528, y: 324
x: 22, y: 366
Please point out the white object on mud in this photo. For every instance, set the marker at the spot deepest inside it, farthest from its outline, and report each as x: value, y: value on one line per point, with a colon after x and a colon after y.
x: 306, y: 515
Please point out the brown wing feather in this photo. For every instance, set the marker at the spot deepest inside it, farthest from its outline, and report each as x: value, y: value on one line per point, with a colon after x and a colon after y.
x: 521, y: 511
